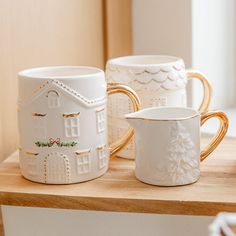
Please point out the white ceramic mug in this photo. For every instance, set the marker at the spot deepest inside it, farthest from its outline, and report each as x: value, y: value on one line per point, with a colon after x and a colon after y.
x: 63, y: 123
x: 168, y: 144
x: 158, y: 81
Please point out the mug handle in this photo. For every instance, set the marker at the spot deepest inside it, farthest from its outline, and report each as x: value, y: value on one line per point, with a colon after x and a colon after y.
x: 113, y: 88
x: 207, y: 89
x: 222, y: 130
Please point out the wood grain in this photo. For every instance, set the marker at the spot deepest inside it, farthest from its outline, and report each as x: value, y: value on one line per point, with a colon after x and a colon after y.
x: 118, y: 190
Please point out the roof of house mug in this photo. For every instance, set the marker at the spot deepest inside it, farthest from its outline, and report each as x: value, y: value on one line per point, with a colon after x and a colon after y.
x: 159, y: 80
x: 168, y: 143
x: 63, y: 123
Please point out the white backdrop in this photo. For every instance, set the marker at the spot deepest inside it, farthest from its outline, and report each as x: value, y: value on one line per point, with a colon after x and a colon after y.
x: 54, y: 222
x: 202, y: 32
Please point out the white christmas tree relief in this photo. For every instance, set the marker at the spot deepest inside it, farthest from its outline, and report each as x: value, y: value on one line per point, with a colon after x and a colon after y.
x: 181, y: 165
x: 183, y: 162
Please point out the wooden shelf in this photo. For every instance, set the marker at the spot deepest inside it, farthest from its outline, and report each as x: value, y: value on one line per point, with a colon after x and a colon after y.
x: 119, y: 191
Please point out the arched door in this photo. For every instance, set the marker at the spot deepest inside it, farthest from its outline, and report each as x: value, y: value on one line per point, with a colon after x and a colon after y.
x: 56, y: 168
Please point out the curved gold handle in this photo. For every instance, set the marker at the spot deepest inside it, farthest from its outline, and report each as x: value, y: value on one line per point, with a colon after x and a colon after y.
x: 191, y: 74
x: 219, y: 135
x: 113, y: 88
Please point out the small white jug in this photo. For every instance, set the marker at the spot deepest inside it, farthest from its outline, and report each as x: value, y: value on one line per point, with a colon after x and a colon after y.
x: 168, y: 144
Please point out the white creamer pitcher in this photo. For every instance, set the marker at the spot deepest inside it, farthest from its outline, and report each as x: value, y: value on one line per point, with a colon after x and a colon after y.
x: 168, y: 144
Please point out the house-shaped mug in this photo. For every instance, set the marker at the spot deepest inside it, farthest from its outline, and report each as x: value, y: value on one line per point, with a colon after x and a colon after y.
x: 63, y: 133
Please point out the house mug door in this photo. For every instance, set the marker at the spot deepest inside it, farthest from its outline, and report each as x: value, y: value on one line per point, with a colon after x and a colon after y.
x: 56, y: 168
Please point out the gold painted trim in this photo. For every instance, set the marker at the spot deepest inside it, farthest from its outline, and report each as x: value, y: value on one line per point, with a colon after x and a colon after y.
x: 101, y: 147
x: 32, y: 153
x: 40, y: 87
x: 100, y: 109
x: 148, y: 82
x: 113, y: 88
x: 157, y: 119
x: 207, y: 89
x: 38, y: 114
x: 161, y: 84
x: 119, y: 67
x: 224, y: 123
x: 83, y: 152
x: 178, y: 68
x: 71, y: 115
x: 165, y: 71
x: 147, y: 72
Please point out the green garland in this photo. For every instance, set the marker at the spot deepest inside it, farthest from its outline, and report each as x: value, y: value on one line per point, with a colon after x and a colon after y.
x: 59, y: 144
x: 70, y: 144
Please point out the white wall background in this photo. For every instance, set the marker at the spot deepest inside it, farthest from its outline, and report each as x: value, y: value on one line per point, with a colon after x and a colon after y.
x: 24, y: 221
x: 213, y: 47
x: 202, y: 32
x: 162, y: 27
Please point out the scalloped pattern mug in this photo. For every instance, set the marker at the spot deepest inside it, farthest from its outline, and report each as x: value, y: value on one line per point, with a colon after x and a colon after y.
x: 158, y: 81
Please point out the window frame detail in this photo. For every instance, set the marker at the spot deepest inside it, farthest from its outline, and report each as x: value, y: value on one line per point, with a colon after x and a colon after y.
x: 159, y: 101
x: 53, y: 99
x: 102, y: 156
x: 72, y: 124
x: 83, y: 161
x: 101, y: 119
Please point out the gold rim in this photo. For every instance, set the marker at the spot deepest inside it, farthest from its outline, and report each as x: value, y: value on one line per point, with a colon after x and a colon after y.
x: 159, y: 119
x: 221, y: 116
x: 206, y: 88
x: 113, y: 88
x: 156, y: 119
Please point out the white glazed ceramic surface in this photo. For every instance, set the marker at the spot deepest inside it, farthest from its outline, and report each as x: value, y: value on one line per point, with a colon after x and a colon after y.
x: 168, y: 148
x: 57, y: 106
x: 158, y: 81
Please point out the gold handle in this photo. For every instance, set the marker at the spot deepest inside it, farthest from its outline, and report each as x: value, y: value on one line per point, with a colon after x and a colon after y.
x: 219, y: 135
x: 113, y: 88
x: 206, y: 88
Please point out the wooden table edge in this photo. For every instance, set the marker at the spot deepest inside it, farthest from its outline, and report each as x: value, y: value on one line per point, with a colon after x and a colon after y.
x: 169, y: 207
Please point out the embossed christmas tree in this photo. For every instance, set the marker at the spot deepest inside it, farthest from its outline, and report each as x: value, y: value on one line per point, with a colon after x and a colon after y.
x: 183, y: 166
